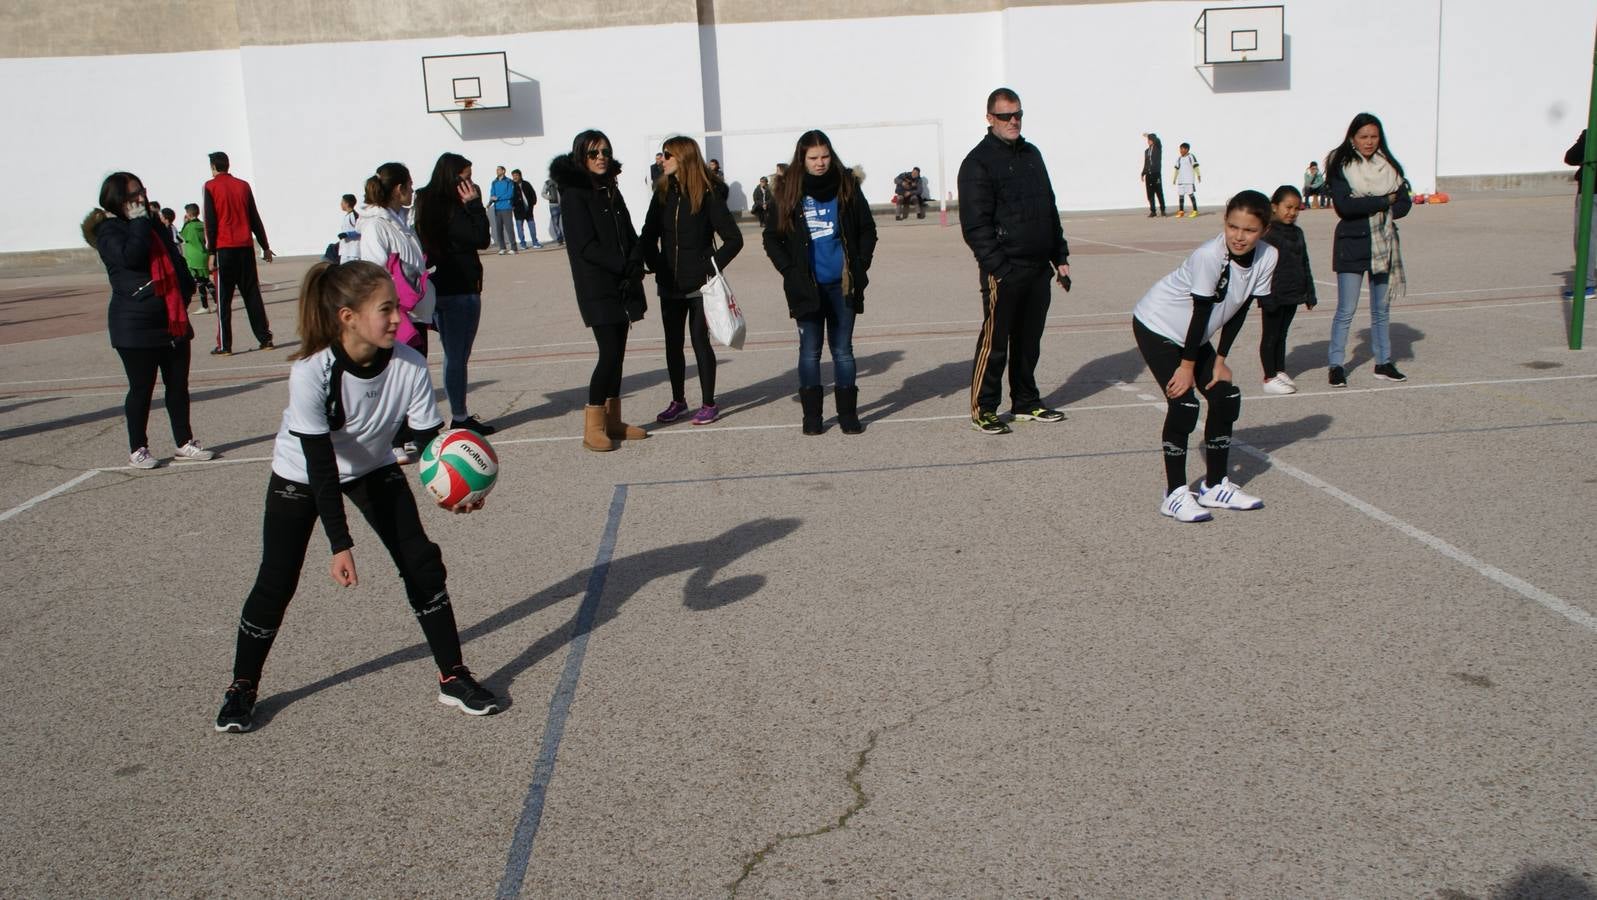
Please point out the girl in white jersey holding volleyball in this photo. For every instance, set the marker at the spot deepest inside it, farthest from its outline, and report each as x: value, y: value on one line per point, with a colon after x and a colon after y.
x: 1209, y: 294
x: 348, y: 394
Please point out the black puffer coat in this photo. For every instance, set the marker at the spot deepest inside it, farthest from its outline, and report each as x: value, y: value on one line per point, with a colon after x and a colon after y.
x: 136, y: 317
x: 1007, y: 209
x: 1350, y: 249
x: 601, y: 244
x: 1293, y: 282
x: 677, y: 240
x: 790, y: 254
x: 458, y: 268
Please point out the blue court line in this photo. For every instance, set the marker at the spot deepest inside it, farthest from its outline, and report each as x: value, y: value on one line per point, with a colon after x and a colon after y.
x: 560, y: 706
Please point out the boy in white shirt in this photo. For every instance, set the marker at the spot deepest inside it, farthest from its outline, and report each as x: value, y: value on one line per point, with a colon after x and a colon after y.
x: 1187, y: 178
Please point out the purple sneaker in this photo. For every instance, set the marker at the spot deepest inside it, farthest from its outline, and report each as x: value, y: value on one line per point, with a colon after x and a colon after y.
x: 706, y: 414
x: 672, y: 412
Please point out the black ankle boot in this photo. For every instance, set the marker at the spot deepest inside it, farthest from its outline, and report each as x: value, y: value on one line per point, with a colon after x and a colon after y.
x: 810, y: 397
x: 847, y: 399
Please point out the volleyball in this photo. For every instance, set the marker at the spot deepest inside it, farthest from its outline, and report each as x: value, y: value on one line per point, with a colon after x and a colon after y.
x: 459, y: 466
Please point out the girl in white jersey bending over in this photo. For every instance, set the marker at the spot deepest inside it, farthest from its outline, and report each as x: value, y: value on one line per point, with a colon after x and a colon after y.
x: 1173, y: 324
x: 349, y: 392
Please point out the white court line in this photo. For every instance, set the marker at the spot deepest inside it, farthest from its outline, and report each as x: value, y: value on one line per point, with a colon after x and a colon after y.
x: 58, y: 489
x: 1514, y: 583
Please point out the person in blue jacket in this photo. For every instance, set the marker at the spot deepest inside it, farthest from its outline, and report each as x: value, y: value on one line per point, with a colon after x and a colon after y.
x: 501, y: 196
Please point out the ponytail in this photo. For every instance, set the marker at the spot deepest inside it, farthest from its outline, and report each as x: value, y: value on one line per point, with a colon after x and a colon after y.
x: 380, y: 187
x: 327, y: 288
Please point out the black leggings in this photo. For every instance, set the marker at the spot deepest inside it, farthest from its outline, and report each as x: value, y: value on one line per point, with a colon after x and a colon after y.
x: 675, y: 312
x: 1155, y: 190
x: 384, y: 498
x: 1272, y: 344
x: 606, y: 380
x: 141, y: 364
x: 1181, y: 415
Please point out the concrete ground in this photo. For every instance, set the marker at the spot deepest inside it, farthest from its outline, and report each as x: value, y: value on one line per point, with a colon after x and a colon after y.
x: 917, y: 662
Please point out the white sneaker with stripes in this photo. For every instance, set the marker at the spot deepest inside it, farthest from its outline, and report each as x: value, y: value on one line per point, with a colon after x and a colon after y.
x: 1182, y: 506
x: 1226, y: 495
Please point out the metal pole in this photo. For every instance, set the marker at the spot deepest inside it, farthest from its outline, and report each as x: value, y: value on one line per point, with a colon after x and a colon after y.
x: 1588, y: 167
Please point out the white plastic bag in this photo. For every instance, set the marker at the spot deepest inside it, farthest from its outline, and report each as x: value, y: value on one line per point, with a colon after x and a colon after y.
x: 721, y: 312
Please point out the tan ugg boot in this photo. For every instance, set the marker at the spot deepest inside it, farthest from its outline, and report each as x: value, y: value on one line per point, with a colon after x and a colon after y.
x: 617, y: 429
x: 593, y: 436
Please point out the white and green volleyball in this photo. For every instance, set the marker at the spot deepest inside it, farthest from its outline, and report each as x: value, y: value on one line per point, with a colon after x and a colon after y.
x: 459, y: 466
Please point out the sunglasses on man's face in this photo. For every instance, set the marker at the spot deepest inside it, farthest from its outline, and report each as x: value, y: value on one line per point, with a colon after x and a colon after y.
x: 603, y: 151
x: 665, y: 155
x: 1005, y: 117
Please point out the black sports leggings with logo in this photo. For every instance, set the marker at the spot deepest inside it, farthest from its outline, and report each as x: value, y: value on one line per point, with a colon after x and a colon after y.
x: 1181, y: 415
x: 384, y: 498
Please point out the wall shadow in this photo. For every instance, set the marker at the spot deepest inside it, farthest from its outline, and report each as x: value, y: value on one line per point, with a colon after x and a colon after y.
x: 626, y: 577
x: 1250, y: 77
x: 524, y: 118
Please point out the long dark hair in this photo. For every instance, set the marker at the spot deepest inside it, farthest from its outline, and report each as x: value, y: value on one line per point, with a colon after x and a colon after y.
x: 590, y: 140
x: 693, y: 179
x: 435, y: 202
x: 790, y: 190
x: 114, y: 193
x: 1343, y: 153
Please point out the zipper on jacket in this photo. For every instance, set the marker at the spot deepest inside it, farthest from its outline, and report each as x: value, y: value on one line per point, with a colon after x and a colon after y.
x: 676, y: 248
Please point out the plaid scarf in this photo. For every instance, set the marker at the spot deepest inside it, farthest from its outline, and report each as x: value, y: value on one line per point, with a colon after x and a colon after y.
x: 1375, y: 177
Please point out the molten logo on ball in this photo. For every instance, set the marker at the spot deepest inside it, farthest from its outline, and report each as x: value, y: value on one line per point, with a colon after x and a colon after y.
x: 459, y: 467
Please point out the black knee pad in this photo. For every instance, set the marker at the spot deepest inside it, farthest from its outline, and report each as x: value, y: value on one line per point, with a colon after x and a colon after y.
x: 1225, y: 403
x: 1181, y: 418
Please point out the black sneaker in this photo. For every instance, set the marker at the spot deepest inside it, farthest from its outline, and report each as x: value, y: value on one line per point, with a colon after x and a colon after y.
x: 989, y: 423
x: 1038, y: 414
x: 1338, y: 377
x: 268, y: 345
x: 462, y: 691
x: 1389, y: 372
x: 238, y: 707
x: 472, y: 423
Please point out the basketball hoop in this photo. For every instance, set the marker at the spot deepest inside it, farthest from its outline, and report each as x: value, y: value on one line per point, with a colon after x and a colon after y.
x: 466, y: 102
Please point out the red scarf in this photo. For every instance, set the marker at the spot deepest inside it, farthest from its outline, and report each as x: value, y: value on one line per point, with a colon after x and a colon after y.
x: 163, y: 278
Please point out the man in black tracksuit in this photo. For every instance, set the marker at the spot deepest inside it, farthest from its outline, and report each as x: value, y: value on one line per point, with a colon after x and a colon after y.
x: 1011, y: 223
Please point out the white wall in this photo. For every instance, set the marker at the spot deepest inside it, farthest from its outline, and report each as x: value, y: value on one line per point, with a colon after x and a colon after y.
x: 71, y: 122
x: 1515, y: 86
x: 307, y: 123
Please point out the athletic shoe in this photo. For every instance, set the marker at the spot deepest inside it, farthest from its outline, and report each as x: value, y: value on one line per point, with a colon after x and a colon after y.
x: 1038, y: 414
x: 1338, y: 378
x: 706, y: 414
x: 405, y: 453
x: 1277, y: 386
x: 674, y: 410
x: 503, y: 252
x: 193, y: 450
x: 462, y: 691
x: 535, y: 247
x: 1153, y: 215
x: 989, y: 423
x: 1181, y: 505
x: 1591, y: 293
x: 472, y: 423
x: 141, y: 459
x: 1226, y: 495
x: 267, y: 345
x: 238, y: 707
x: 218, y: 351
x: 1287, y: 379
x: 202, y: 311
x: 1389, y: 372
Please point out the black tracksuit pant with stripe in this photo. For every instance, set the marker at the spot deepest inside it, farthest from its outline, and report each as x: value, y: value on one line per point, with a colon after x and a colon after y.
x: 1014, y: 313
x: 235, y: 269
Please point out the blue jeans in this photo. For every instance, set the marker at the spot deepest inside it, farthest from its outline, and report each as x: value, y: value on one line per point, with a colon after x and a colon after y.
x: 836, y: 322
x: 457, y: 318
x: 1347, y: 303
x: 532, y: 229
x: 557, y: 231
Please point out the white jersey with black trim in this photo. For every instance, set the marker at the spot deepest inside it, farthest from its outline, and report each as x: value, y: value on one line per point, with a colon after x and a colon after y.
x: 1166, y: 309
x: 375, y: 402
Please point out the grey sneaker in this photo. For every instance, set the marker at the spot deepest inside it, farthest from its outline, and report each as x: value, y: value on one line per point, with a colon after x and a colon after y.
x: 141, y: 459
x: 193, y: 450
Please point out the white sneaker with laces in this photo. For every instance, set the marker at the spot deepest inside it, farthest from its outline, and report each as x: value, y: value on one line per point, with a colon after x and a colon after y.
x: 193, y: 450
x: 1277, y: 386
x: 141, y: 459
x: 1286, y: 378
x: 1182, y: 506
x: 1226, y: 495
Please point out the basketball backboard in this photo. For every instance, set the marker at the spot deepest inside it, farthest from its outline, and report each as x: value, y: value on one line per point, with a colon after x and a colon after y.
x: 466, y: 81
x: 1242, y: 34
